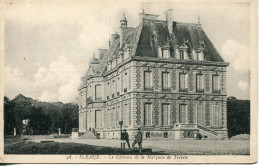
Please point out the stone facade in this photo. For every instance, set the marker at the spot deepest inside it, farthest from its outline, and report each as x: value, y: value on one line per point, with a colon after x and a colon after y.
x: 118, y: 92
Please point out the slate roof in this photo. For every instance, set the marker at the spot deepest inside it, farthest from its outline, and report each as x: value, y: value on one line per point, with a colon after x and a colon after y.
x: 193, y: 33
x: 150, y: 34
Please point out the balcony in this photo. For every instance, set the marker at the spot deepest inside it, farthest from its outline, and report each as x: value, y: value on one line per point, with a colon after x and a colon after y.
x: 185, y: 126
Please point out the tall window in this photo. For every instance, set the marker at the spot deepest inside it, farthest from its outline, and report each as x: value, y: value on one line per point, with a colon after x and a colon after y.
x: 165, y: 81
x: 215, y: 83
x: 111, y: 117
x: 181, y: 54
x: 147, y: 80
x: 215, y: 115
x: 183, y: 82
x: 165, y: 114
x: 183, y: 114
x: 200, y: 81
x: 147, y: 114
x: 118, y: 86
x: 199, y: 114
x: 98, y: 118
x: 125, y: 82
x: 108, y: 117
x: 98, y: 92
x: 113, y: 84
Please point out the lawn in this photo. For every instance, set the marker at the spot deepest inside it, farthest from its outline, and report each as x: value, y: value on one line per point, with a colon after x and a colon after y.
x: 95, y: 146
x: 29, y: 147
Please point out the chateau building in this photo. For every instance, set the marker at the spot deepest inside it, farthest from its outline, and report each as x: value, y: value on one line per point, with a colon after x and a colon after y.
x: 163, y: 76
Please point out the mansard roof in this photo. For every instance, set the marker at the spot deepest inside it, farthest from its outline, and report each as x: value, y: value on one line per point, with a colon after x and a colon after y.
x: 190, y: 35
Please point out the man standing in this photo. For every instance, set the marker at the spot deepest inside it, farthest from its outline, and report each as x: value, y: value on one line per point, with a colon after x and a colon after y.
x: 138, y: 139
x: 198, y: 136
x: 125, y: 137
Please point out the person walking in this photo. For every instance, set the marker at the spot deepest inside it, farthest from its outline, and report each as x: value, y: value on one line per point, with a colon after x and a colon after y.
x: 138, y: 139
x: 125, y: 137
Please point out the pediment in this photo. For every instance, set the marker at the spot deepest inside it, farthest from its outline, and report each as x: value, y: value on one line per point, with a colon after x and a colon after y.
x: 215, y: 99
x: 182, y: 98
x: 199, y: 98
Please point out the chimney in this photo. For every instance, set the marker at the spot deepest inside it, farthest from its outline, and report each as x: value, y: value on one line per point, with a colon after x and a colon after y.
x: 123, y: 25
x: 144, y: 15
x: 168, y: 17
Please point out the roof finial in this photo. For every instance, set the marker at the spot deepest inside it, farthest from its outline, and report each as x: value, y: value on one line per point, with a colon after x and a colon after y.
x: 94, y: 56
x: 123, y: 20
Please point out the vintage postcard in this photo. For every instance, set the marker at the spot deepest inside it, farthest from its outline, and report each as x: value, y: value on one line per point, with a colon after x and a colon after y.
x: 138, y: 81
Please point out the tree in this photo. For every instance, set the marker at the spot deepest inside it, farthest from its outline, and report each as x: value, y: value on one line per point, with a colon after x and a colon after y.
x: 44, y: 117
x: 238, y: 117
x: 9, y: 118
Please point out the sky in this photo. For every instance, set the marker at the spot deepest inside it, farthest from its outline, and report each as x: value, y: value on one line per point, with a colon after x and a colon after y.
x: 48, y: 45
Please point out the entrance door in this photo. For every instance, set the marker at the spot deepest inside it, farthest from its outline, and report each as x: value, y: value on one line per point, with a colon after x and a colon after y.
x: 98, y: 119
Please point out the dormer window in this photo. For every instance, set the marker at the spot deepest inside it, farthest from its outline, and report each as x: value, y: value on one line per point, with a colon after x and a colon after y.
x: 126, y: 55
x: 108, y: 65
x: 160, y: 52
x: 182, y: 54
x: 113, y: 63
x: 164, y: 52
x: 127, y: 52
x: 120, y: 57
x: 200, y: 55
x: 119, y: 60
x: 182, y: 51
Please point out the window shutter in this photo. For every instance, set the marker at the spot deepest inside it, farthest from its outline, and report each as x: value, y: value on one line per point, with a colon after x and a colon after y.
x: 196, y: 114
x: 202, y: 82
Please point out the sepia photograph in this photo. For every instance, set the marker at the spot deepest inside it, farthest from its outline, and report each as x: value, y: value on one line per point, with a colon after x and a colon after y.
x: 128, y: 82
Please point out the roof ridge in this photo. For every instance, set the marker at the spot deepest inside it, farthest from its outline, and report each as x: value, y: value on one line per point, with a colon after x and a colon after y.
x: 187, y: 23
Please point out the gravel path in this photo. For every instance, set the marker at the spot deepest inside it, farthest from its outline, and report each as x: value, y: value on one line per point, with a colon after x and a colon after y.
x: 216, y: 147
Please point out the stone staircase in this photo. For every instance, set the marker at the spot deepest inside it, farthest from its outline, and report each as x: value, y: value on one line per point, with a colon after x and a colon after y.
x: 87, y: 135
x: 211, y: 134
